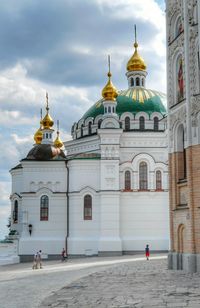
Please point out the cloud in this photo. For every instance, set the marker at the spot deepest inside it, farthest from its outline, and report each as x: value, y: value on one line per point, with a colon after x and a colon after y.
x: 59, y: 51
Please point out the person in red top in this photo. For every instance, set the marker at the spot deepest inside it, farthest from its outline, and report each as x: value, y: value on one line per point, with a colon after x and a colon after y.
x: 147, y: 253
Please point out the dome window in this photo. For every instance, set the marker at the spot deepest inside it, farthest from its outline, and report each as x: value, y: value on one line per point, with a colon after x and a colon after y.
x: 99, y: 123
x: 137, y: 81
x: 127, y: 123
x: 82, y: 130
x: 141, y: 123
x: 143, y: 82
x: 155, y: 124
x: 109, y: 109
x: 132, y: 82
x: 89, y: 128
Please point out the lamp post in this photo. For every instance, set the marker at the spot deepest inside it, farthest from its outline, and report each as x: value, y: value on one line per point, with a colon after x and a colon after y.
x: 30, y: 227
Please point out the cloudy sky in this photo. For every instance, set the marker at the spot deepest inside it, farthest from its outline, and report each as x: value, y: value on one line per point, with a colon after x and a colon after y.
x: 61, y: 46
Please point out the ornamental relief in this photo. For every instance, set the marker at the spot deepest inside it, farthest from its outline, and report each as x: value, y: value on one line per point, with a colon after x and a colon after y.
x: 179, y: 115
x: 177, y: 44
x: 193, y: 54
x: 195, y: 104
x: 174, y: 7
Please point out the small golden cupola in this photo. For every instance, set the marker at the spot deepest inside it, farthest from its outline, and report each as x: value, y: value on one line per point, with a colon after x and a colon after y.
x: 38, y: 135
x: 109, y: 92
x: 58, y: 142
x: 136, y: 63
x: 47, y: 122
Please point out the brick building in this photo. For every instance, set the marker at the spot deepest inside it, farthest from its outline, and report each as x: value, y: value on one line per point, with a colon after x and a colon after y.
x: 183, y: 65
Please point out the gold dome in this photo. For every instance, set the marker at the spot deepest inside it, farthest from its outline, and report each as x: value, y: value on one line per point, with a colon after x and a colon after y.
x: 136, y: 63
x: 58, y: 142
x: 38, y: 136
x: 47, y: 122
x: 109, y: 92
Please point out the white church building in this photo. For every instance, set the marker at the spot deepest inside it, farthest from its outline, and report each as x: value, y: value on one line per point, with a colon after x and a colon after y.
x: 105, y: 191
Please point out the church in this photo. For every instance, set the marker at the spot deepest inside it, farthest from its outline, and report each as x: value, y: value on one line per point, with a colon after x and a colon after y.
x: 105, y: 191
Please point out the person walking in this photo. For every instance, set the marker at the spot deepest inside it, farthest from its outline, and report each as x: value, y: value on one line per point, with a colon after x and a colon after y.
x: 40, y: 259
x: 35, y: 261
x: 147, y: 252
x: 63, y: 255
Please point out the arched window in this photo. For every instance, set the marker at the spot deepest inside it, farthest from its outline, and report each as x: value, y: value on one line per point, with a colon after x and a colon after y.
x: 44, y: 208
x: 137, y: 81
x: 143, y: 82
x: 142, y: 123
x: 89, y: 128
x: 132, y: 82
x: 127, y: 123
x: 155, y: 123
x: 105, y: 109
x: 99, y: 123
x: 181, y: 155
x: 127, y: 180
x: 143, y: 182
x: 82, y: 125
x: 158, y: 180
x: 109, y: 109
x: 87, y: 207
x: 15, y: 212
x: 113, y: 109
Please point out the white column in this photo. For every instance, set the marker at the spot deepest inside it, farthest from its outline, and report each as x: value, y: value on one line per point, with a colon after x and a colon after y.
x: 109, y: 237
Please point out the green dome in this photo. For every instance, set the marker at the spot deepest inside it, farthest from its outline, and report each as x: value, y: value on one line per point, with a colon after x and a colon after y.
x: 133, y: 100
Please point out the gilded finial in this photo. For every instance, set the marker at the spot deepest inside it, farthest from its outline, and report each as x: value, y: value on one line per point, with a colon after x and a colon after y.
x: 38, y: 134
x: 47, y: 122
x: 136, y: 63
x: 135, y: 44
x: 109, y: 73
x: 58, y: 142
x: 109, y: 92
x: 47, y: 102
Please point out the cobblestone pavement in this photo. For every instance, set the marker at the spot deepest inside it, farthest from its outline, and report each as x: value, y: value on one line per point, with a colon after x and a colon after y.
x: 134, y: 284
